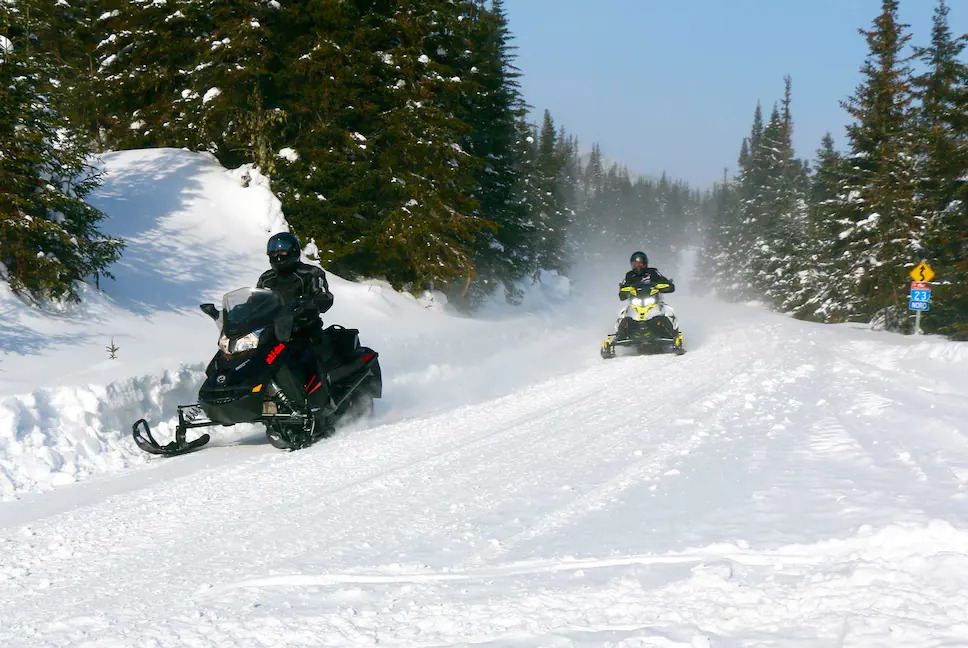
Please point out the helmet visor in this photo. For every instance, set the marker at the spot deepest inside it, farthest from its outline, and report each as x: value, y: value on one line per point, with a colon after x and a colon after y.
x: 279, y: 245
x: 638, y: 264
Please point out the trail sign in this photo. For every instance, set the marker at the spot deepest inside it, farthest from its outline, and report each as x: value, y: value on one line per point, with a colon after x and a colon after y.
x: 920, y: 285
x: 919, y: 305
x: 920, y: 295
x: 922, y: 272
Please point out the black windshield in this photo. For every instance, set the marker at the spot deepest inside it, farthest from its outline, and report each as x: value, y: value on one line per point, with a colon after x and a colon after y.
x: 247, y: 309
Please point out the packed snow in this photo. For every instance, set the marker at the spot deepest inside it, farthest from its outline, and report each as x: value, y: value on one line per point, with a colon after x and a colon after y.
x: 782, y: 484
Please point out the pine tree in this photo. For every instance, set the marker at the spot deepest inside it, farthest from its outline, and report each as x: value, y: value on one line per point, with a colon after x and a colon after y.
x: 881, y: 189
x: 336, y: 80
x: 230, y: 103
x: 70, y: 36
x: 943, y: 129
x: 493, y: 109
x: 552, y: 214
x: 821, y: 298
x: 48, y: 234
x: 782, y: 198
x: 143, y: 63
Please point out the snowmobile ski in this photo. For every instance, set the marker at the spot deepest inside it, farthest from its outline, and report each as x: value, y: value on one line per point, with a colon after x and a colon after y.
x: 144, y: 439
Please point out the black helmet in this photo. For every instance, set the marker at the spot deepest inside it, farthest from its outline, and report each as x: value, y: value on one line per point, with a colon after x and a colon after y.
x: 283, y: 250
x: 639, y: 261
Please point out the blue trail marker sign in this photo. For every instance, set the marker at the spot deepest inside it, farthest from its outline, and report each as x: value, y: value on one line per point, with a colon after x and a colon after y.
x: 920, y: 298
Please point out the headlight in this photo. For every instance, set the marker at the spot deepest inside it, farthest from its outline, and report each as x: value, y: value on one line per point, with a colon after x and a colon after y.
x: 643, y: 301
x: 237, y: 345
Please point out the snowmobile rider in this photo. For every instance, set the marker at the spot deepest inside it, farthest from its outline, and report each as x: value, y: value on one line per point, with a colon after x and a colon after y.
x: 642, y: 272
x: 304, y: 289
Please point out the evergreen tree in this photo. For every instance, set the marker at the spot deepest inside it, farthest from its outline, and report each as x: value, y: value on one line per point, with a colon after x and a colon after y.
x: 943, y: 122
x: 70, y: 36
x: 551, y: 212
x: 429, y: 220
x: 493, y: 109
x: 821, y: 297
x: 880, y: 192
x: 230, y: 105
x: 394, y: 131
x: 142, y: 65
x: 48, y: 234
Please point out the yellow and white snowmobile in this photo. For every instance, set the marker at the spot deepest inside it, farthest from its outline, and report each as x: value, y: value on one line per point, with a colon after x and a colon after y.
x: 646, y: 323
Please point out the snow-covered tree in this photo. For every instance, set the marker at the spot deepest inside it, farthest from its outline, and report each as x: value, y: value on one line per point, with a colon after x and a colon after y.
x: 943, y: 135
x: 883, y: 232
x: 48, y: 234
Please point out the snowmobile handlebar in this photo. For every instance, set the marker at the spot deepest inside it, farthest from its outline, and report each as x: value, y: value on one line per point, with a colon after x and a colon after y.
x: 650, y: 287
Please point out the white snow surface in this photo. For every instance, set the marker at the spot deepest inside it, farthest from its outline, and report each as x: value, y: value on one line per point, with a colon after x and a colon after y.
x: 782, y: 484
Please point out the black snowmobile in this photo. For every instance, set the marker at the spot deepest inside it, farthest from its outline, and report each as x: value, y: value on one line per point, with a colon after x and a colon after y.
x: 257, y: 376
x: 646, y: 323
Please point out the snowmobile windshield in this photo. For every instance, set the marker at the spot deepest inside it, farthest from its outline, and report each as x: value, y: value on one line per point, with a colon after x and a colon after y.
x: 248, y: 309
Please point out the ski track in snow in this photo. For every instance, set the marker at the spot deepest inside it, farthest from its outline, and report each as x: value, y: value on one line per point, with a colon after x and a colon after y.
x: 806, y: 497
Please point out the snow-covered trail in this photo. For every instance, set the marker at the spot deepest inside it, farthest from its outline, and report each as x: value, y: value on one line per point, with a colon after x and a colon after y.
x: 783, y: 484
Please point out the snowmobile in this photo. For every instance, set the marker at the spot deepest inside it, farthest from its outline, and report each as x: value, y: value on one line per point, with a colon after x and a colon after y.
x: 257, y: 376
x: 646, y: 323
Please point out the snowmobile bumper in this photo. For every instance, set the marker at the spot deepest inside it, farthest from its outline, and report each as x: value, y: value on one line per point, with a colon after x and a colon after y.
x: 231, y: 405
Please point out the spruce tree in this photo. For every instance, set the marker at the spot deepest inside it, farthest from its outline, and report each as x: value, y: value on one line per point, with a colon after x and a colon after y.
x: 881, y: 200
x: 230, y: 105
x: 48, y: 234
x: 70, y: 36
x: 821, y: 299
x: 551, y: 212
x: 142, y: 65
x: 943, y: 131
x: 493, y: 108
x: 426, y: 217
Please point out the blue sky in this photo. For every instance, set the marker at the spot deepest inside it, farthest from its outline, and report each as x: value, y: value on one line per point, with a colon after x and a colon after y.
x: 671, y: 84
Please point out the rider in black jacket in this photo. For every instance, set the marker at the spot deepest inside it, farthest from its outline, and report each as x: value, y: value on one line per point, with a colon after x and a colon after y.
x: 642, y: 272
x: 304, y: 289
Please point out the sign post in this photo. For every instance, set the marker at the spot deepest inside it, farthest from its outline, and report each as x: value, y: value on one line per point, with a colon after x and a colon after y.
x: 920, y: 297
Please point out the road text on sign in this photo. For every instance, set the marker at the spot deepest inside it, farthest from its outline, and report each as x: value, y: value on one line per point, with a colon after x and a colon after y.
x: 919, y: 305
x: 920, y: 285
x: 922, y: 272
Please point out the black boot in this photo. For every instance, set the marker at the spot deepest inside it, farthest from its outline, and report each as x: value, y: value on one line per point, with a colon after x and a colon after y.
x: 322, y: 409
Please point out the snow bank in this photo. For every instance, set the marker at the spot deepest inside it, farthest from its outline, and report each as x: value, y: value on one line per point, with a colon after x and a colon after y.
x: 193, y: 231
x: 57, y: 436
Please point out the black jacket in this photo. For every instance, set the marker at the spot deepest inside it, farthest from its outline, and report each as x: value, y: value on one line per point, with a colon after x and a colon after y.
x: 306, y: 283
x: 648, y: 274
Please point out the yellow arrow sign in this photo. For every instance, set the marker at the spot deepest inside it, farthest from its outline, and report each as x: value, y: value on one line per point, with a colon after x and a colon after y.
x: 922, y: 272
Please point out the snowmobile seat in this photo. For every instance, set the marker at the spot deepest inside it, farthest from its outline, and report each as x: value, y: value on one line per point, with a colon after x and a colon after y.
x: 345, y: 341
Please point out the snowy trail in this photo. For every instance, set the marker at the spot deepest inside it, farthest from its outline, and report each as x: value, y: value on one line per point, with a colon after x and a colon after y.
x: 782, y: 484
